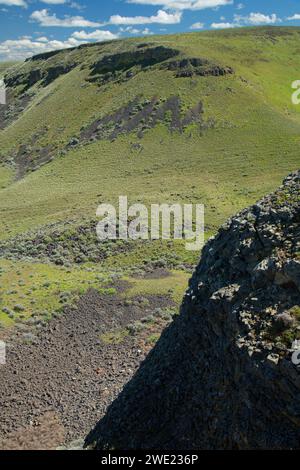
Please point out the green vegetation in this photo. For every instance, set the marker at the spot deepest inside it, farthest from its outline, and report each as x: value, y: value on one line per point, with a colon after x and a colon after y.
x: 114, y: 337
x: 37, y: 290
x: 4, y: 66
x: 287, y: 333
x: 152, y: 339
x: 173, y: 286
x: 255, y: 141
x: 295, y: 312
x: 248, y: 141
x: 288, y: 337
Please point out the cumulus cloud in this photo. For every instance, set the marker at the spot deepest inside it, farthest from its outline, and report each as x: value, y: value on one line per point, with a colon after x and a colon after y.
x: 24, y: 47
x: 161, y: 17
x: 258, y: 19
x: 14, y: 3
x: 42, y: 39
x: 130, y: 30
x: 54, y: 2
x: 70, y: 3
x: 254, y: 19
x: 184, y: 4
x: 97, y: 35
x: 197, y: 25
x: 224, y: 25
x: 147, y: 32
x: 294, y: 17
x: 44, y: 18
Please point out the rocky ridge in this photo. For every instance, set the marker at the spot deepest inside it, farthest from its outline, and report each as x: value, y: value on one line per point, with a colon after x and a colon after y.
x: 221, y: 376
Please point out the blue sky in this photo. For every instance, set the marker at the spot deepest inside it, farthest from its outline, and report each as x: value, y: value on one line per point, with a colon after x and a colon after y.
x: 29, y: 27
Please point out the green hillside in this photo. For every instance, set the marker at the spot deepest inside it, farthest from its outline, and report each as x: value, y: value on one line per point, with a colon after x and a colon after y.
x: 200, y: 117
x: 4, y: 66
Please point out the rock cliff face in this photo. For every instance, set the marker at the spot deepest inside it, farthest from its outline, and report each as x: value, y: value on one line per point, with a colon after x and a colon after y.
x: 144, y: 57
x: 221, y: 376
x: 30, y: 78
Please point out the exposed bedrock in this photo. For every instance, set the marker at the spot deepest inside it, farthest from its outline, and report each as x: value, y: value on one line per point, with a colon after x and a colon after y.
x: 221, y: 376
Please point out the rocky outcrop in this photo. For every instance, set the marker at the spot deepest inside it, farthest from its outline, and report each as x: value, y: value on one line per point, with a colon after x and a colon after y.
x: 117, y: 67
x: 14, y: 107
x: 141, y: 115
x: 125, y: 60
x: 25, y: 79
x: 221, y: 376
x: 52, y: 73
x: 30, y: 78
x: 46, y: 55
x: 188, y: 67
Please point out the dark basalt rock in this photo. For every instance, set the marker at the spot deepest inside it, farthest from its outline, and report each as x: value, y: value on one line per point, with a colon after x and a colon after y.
x: 53, y: 73
x: 140, y: 116
x: 45, y: 55
x: 45, y: 76
x: 221, y: 376
x: 14, y: 107
x: 123, y: 61
x: 188, y: 67
x: 181, y: 64
x: 26, y: 79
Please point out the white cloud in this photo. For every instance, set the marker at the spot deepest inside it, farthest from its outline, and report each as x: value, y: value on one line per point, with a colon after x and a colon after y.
x: 294, y: 17
x: 97, y: 35
x: 24, y: 47
x: 14, y: 3
x: 146, y: 32
x: 259, y: 18
x: 45, y: 19
x: 184, y: 4
x: 130, y: 30
x: 64, y: 2
x: 20, y: 49
x: 197, y: 25
x: 54, y: 2
x: 42, y: 39
x: 224, y: 25
x: 254, y: 19
x: 161, y: 17
x: 76, y: 5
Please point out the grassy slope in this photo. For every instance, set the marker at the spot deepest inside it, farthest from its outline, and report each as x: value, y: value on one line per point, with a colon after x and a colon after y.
x: 40, y: 289
x: 254, y: 145
x: 4, y: 66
